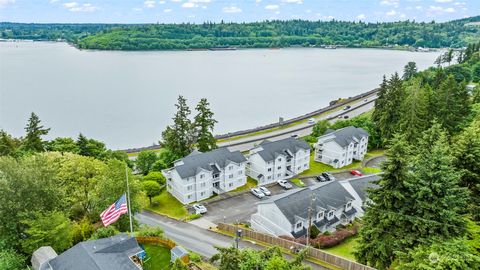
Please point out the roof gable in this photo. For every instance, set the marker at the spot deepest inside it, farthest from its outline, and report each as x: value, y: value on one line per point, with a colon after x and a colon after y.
x: 271, y: 150
x: 346, y: 135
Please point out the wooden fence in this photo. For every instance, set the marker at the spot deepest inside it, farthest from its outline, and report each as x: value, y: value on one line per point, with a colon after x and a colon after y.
x: 156, y: 241
x: 286, y: 244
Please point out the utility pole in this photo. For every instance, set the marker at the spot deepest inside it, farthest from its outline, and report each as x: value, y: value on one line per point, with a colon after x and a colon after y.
x: 312, y: 200
x: 128, y: 201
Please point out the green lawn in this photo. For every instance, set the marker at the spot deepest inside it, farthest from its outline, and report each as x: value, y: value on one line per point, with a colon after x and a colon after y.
x: 168, y: 205
x: 158, y: 257
x: 298, y: 182
x: 345, y: 249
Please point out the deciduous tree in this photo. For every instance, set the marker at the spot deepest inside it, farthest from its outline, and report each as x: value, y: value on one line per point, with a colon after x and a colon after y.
x: 145, y: 161
x: 152, y: 189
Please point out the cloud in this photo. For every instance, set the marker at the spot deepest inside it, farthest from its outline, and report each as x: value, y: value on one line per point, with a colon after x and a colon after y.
x: 293, y: 1
x: 167, y: 10
x: 361, y: 17
x: 391, y: 13
x: 4, y: 3
x: 76, y: 7
x: 53, y: 1
x: 394, y: 3
x: 440, y: 10
x: 443, y: 1
x: 271, y: 7
x: 149, y: 4
x: 176, y: 1
x: 189, y: 5
x: 232, y: 9
x: 162, y: 2
x: 195, y: 3
x: 137, y: 9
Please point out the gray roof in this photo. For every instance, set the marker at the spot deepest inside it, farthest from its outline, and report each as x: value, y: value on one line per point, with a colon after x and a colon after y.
x: 111, y: 253
x: 272, y: 150
x: 346, y: 135
x: 329, y: 195
x: 196, y: 160
x: 361, y: 184
x: 178, y: 252
x: 41, y: 256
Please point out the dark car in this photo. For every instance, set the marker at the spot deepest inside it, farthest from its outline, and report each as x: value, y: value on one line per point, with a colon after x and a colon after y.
x: 328, y: 176
x: 321, y: 178
x: 345, y: 117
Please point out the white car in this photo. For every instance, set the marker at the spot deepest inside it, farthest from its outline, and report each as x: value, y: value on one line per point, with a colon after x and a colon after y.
x: 257, y: 193
x: 265, y: 191
x: 199, y: 208
x: 311, y: 121
x: 284, y: 184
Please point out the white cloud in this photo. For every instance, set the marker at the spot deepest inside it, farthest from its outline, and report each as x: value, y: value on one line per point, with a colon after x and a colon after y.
x: 449, y: 10
x: 149, y: 4
x: 271, y: 7
x: 176, y: 0
x: 53, y: 1
x: 443, y: 1
x: 394, y: 3
x: 440, y: 10
x: 167, y: 10
x: 293, y: 1
x: 195, y: 3
x: 162, y: 2
x: 76, y: 7
x: 189, y: 5
x: 361, y: 17
x: 391, y: 13
x: 232, y: 9
x: 403, y: 16
x: 418, y: 7
x: 137, y: 9
x: 4, y: 3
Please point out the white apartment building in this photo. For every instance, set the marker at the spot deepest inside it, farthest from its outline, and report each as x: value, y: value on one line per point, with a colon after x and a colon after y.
x: 283, y: 159
x: 199, y: 175
x: 338, y: 148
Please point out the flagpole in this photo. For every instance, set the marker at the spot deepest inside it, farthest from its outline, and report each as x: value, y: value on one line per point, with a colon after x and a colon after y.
x: 128, y: 201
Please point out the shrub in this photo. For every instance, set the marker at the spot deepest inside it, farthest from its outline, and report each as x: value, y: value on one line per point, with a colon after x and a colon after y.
x: 82, y: 230
x: 147, y: 231
x: 194, y: 257
x: 104, y: 232
x: 193, y: 216
x: 314, y: 232
x: 331, y: 240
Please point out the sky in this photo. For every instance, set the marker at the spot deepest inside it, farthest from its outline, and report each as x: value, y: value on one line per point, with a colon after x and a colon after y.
x: 198, y: 11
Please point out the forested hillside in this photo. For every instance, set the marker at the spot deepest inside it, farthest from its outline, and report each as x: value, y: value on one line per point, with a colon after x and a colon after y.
x: 265, y: 34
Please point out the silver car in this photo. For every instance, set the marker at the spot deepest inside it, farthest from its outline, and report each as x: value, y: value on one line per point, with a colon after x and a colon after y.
x: 257, y: 193
x: 265, y: 191
x: 199, y: 208
x: 284, y: 184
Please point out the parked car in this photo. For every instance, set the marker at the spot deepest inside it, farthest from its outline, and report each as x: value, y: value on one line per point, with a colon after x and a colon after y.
x: 328, y: 176
x: 284, y: 184
x: 345, y: 117
x: 321, y: 178
x: 265, y: 191
x: 199, y: 208
x: 365, y: 100
x: 356, y: 172
x: 257, y: 193
x: 294, y: 136
x: 347, y: 107
x: 311, y: 121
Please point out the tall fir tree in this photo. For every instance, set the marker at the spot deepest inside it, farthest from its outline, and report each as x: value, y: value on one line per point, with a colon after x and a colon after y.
x: 204, y: 124
x: 82, y: 144
x: 382, y: 225
x: 178, y: 138
x: 452, y: 103
x: 467, y: 154
x: 415, y: 117
x: 409, y: 70
x: 33, y: 141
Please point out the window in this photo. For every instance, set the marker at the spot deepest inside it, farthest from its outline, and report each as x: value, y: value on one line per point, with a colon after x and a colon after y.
x: 330, y: 214
x: 230, y: 185
x: 189, y: 196
x: 305, y: 165
x: 202, y: 184
x: 230, y: 176
x: 349, y: 204
x: 201, y: 176
x: 300, y: 167
x: 269, y: 169
x: 269, y: 177
x: 320, y: 215
x: 189, y: 187
x: 279, y: 159
x: 279, y: 167
x: 202, y: 193
x: 278, y: 175
x: 230, y: 167
x: 299, y: 225
x: 240, y: 172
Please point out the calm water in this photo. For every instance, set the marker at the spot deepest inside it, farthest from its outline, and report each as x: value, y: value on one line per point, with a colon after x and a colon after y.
x: 127, y: 98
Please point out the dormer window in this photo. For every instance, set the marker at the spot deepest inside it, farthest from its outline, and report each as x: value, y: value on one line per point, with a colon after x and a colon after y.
x: 349, y: 204
x: 201, y: 176
x: 320, y: 216
x: 299, y: 225
x: 330, y: 214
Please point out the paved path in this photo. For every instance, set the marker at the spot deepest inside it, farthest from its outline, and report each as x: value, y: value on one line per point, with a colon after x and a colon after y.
x: 302, y: 129
x: 197, y: 239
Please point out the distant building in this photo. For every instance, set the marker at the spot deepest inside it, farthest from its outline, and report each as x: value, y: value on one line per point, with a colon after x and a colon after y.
x: 332, y: 203
x: 338, y: 148
x: 119, y: 252
x: 199, y: 175
x: 273, y: 161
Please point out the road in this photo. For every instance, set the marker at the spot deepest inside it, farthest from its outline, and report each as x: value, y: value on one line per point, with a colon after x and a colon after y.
x: 196, y: 239
x: 302, y: 129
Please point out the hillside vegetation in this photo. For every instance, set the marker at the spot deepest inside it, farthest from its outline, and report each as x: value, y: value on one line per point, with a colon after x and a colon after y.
x: 267, y: 34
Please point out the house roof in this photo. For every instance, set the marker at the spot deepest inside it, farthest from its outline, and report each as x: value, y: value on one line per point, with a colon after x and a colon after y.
x: 111, y: 253
x: 178, y: 252
x: 328, y: 195
x: 361, y: 184
x: 346, y: 135
x: 287, y: 147
x: 196, y: 161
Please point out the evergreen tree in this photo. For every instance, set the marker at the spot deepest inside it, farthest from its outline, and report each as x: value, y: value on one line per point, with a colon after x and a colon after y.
x: 383, y: 223
x: 34, y: 131
x: 467, y: 153
x: 415, y: 117
x: 409, y: 70
x: 178, y: 138
x: 82, y: 145
x: 452, y: 103
x: 204, y: 124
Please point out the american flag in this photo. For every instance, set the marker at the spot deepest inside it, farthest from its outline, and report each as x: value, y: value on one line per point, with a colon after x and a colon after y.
x: 114, y: 211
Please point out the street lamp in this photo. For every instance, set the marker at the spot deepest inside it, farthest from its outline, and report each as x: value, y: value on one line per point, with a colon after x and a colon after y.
x: 238, y: 237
